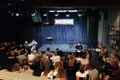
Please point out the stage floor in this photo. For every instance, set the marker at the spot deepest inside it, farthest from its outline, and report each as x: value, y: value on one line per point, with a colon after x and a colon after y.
x: 63, y: 47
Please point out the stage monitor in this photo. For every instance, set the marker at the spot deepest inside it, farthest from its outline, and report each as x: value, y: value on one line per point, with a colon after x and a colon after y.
x: 64, y: 21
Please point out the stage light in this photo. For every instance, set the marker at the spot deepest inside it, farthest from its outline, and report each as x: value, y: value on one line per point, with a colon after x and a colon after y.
x: 64, y: 21
x: 79, y: 15
x: 67, y: 15
x: 33, y: 14
x: 46, y: 23
x: 51, y: 11
x: 44, y: 14
x: 97, y: 50
x: 72, y: 10
x: 17, y: 14
x: 56, y: 15
x: 61, y: 10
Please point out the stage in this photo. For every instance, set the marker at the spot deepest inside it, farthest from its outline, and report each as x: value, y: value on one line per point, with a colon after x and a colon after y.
x: 62, y: 47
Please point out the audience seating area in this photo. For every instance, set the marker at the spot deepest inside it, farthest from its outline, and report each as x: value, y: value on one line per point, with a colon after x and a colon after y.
x: 17, y: 62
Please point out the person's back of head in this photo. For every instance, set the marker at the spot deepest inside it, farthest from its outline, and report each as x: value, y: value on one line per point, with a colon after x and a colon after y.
x: 104, y: 51
x: 48, y: 49
x: 83, y: 55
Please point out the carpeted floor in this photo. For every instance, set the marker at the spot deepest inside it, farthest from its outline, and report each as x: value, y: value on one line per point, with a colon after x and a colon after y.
x: 27, y: 75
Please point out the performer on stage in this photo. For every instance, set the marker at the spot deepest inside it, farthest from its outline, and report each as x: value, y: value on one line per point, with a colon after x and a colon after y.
x: 32, y: 45
x: 79, y: 47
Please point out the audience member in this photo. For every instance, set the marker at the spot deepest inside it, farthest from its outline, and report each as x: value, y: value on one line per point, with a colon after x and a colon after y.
x: 52, y: 65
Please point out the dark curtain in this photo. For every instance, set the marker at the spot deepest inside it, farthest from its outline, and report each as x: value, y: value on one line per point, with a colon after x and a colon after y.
x: 94, y: 18
x: 63, y: 34
x: 81, y: 31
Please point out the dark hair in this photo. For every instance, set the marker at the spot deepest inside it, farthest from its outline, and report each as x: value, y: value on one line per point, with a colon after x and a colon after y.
x: 43, y: 52
x: 117, y: 56
x: 51, y: 67
x: 57, y: 49
x: 83, y: 54
x: 48, y: 49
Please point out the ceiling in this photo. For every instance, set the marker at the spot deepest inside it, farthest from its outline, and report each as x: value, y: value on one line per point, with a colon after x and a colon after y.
x: 77, y: 3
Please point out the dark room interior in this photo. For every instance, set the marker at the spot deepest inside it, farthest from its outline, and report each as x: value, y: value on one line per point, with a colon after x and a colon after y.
x: 60, y: 40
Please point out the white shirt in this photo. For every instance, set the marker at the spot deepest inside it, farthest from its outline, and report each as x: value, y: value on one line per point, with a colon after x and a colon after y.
x: 33, y: 43
x: 51, y: 74
x: 82, y: 75
x: 78, y: 59
x: 93, y: 74
x: 31, y: 57
x: 84, y: 61
x: 55, y: 59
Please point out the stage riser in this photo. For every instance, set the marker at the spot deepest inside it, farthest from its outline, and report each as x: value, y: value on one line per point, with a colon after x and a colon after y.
x: 63, y: 47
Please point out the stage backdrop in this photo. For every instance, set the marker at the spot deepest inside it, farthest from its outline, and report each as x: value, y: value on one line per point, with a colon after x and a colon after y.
x: 63, y: 33
x: 81, y: 31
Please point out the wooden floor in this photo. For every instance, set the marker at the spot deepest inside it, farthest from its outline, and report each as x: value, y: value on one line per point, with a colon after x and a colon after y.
x: 27, y: 75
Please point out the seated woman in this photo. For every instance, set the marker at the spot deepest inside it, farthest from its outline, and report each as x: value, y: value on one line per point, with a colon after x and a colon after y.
x: 47, y: 65
x: 23, y: 61
x: 103, y: 63
x: 93, y: 72
x: 82, y: 74
x: 52, y: 72
x: 114, y: 64
x: 85, y: 58
x: 87, y: 70
x: 87, y: 74
x: 37, y: 66
x: 71, y: 67
x: 31, y: 58
x: 12, y: 61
